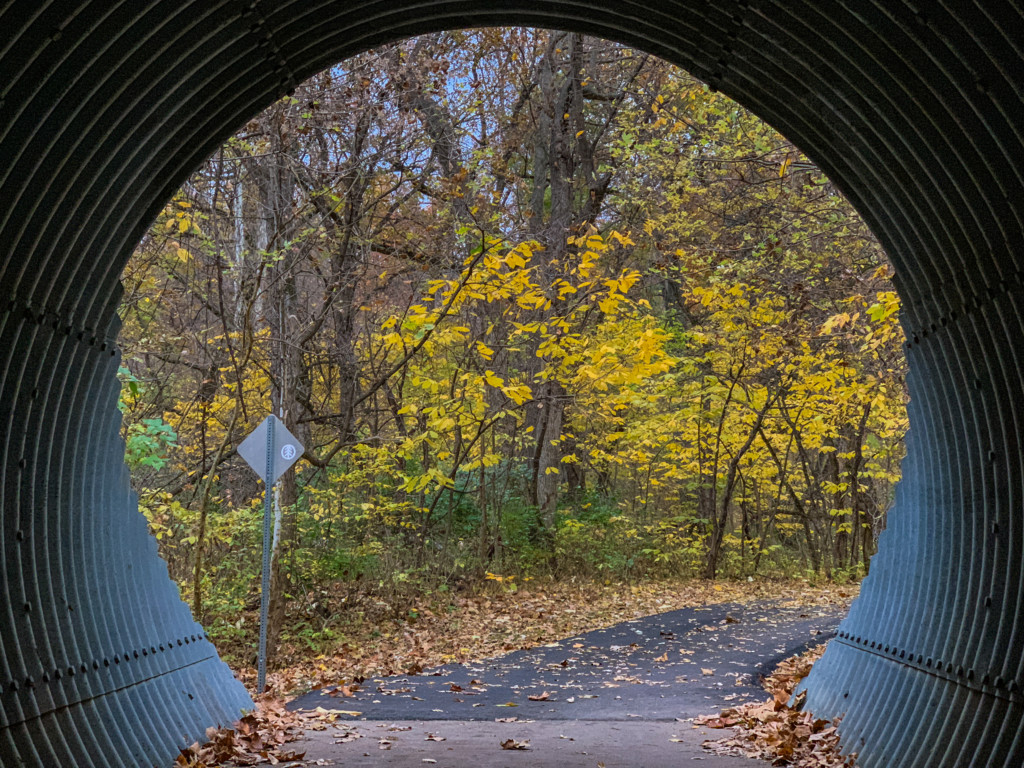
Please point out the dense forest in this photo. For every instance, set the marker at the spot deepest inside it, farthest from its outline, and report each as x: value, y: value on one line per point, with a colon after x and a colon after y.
x: 539, y: 306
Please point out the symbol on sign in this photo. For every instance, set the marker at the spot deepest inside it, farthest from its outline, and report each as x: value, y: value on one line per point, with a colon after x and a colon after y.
x: 288, y: 452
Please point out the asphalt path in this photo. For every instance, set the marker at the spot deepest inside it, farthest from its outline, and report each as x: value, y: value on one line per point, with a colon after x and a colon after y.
x: 667, y: 667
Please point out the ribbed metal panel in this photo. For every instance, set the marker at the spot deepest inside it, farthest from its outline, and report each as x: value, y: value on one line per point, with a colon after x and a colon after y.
x: 914, y: 108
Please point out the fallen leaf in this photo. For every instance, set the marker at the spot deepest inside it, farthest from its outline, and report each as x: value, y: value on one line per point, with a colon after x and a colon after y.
x: 349, y: 712
x: 513, y: 744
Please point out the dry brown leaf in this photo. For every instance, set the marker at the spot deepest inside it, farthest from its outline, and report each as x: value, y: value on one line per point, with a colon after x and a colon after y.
x: 513, y: 744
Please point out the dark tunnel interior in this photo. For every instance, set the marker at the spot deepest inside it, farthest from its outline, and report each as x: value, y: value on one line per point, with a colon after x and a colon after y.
x: 915, y: 109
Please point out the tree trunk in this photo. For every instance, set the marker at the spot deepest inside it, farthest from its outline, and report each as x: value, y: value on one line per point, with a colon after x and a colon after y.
x: 721, y: 520
x: 548, y: 457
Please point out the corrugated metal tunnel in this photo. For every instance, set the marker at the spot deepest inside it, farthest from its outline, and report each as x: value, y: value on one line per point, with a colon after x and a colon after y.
x: 914, y: 107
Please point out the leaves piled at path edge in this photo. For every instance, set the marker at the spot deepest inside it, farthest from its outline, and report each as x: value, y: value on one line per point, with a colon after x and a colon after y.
x: 777, y: 732
x: 259, y: 737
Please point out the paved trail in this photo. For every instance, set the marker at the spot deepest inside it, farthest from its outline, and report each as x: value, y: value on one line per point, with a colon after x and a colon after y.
x: 618, y: 696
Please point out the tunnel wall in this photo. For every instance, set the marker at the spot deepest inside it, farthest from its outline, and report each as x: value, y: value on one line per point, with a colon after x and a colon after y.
x: 913, y: 108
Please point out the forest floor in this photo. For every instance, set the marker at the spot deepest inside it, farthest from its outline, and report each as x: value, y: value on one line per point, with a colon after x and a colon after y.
x: 381, y: 639
x: 567, y: 676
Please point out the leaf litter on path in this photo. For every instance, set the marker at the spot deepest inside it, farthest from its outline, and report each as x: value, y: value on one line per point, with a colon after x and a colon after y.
x: 487, y: 624
x: 260, y: 737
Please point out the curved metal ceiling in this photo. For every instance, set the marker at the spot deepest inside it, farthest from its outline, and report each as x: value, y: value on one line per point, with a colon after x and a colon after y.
x: 914, y: 107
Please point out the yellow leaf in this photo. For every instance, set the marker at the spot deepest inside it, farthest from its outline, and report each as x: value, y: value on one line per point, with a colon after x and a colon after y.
x: 565, y: 289
x: 519, y: 394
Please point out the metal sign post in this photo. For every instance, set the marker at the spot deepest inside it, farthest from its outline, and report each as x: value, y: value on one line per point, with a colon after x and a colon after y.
x: 270, y: 450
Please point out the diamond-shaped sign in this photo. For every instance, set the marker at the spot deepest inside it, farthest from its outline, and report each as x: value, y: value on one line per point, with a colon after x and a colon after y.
x: 286, y: 449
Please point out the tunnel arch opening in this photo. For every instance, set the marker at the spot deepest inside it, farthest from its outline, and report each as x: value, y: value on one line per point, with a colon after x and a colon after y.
x: 914, y: 111
x: 235, y: 178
